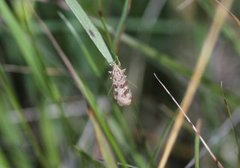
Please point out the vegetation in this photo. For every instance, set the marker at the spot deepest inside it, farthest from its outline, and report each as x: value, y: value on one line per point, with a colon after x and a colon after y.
x: 60, y: 107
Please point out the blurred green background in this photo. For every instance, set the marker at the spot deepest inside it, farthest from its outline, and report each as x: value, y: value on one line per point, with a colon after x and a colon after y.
x: 45, y: 113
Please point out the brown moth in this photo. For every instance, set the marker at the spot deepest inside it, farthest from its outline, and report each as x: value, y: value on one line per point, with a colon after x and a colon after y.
x: 121, y: 91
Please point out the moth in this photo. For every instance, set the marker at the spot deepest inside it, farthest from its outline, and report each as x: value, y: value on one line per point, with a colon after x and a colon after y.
x: 121, y: 92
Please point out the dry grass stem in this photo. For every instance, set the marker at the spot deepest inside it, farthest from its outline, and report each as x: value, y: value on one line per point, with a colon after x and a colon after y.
x: 229, y: 12
x: 205, y: 55
x: 196, y: 130
x: 27, y: 70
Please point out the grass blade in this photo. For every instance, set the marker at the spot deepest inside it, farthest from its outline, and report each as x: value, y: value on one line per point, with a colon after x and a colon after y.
x: 81, y: 44
x: 120, y: 26
x: 86, y: 93
x: 91, y: 30
x: 28, y: 46
x: 48, y: 136
x: 11, y: 136
x: 197, y: 144
x: 87, y: 160
x: 13, y: 101
x: 3, y: 161
x: 103, y: 144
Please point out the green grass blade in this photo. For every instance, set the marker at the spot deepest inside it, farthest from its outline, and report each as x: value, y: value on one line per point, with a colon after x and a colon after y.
x: 20, y: 37
x: 196, y: 151
x: 87, y: 94
x: 101, y: 121
x: 168, y: 63
x: 91, y: 30
x: 48, y: 137
x: 81, y: 44
x: 13, y: 101
x: 11, y: 136
x: 229, y: 112
x: 160, y: 143
x: 3, y: 161
x: 120, y: 25
x: 90, y: 98
x: 27, y: 45
x: 87, y: 160
x: 197, y: 145
x: 103, y: 144
x: 123, y: 131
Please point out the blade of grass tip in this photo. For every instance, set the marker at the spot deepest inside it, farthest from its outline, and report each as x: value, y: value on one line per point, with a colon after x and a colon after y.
x: 81, y: 44
x: 91, y: 30
x: 120, y: 25
x: 197, y: 144
x: 85, y: 91
x: 175, y: 130
x: 105, y: 29
x: 203, y: 59
x: 104, y: 146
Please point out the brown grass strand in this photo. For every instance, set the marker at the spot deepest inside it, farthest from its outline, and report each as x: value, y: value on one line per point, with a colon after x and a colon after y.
x: 196, y: 130
x: 60, y: 52
x: 11, y: 68
x: 204, y: 56
x: 229, y: 12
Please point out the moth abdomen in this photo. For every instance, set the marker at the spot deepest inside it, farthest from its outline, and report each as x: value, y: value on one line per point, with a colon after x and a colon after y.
x: 122, y: 93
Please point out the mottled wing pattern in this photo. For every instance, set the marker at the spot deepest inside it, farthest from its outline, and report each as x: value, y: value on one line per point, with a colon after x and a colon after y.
x: 122, y: 93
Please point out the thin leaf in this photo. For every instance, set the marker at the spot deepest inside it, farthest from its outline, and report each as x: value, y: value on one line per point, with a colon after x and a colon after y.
x: 11, y: 136
x: 87, y: 94
x: 161, y: 141
x: 48, y: 137
x: 103, y: 144
x: 87, y: 161
x: 197, y: 145
x: 91, y: 30
x: 15, y: 104
x: 120, y: 26
x: 168, y: 63
x: 3, y: 161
